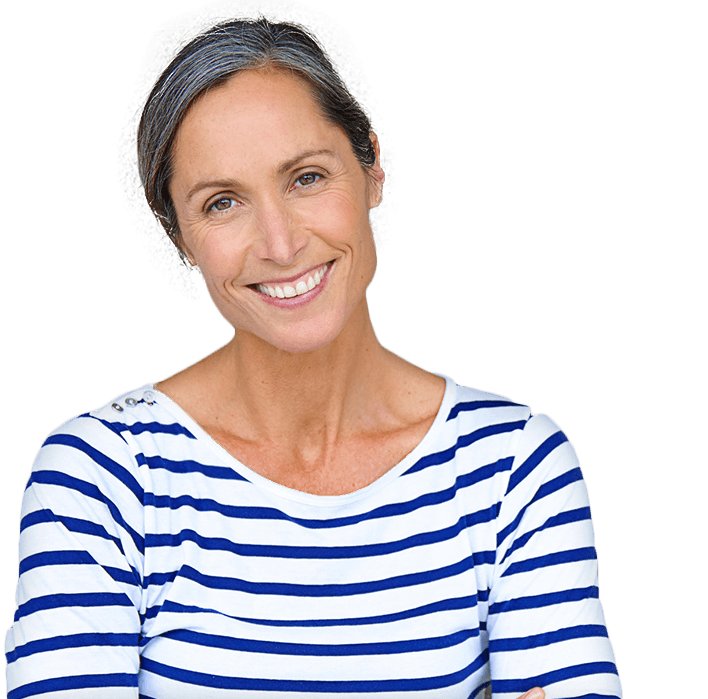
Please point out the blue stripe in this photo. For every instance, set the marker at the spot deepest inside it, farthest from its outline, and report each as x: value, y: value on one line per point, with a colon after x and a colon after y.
x: 303, y: 552
x: 247, y: 645
x: 202, y: 679
x: 117, y: 679
x: 129, y: 577
x: 458, y: 603
x: 555, y: 440
x: 552, y: 486
x: 80, y: 526
x: 270, y: 513
x: 548, y: 678
x: 586, y: 553
x: 113, y: 467
x: 153, y: 428
x: 89, y: 490
x: 575, y: 475
x: 77, y: 640
x: 107, y: 424
x: 477, y: 405
x: 315, y: 552
x: 189, y: 466
x: 482, y: 473
x: 464, y: 440
x: 570, y: 517
x: 488, y: 515
x: 303, y: 590
x: 79, y: 599
x: 479, y: 690
x: 55, y: 558
x: 547, y: 599
x: 73, y: 524
x: 499, y: 645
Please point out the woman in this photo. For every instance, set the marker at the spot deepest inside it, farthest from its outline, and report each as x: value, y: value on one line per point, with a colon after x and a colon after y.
x: 302, y: 511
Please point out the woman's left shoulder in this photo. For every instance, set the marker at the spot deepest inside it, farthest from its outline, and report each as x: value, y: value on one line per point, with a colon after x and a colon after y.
x: 474, y: 406
x: 525, y: 441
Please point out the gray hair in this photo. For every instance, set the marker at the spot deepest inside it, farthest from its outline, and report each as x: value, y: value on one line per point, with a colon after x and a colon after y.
x: 211, y: 59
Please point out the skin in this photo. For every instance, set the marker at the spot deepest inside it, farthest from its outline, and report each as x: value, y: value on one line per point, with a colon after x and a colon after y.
x: 265, y: 188
x: 307, y: 397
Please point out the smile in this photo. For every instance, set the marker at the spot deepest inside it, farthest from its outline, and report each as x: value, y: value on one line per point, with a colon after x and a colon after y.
x: 302, y: 287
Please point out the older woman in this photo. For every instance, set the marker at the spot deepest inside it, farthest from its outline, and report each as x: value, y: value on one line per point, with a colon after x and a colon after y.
x: 302, y: 513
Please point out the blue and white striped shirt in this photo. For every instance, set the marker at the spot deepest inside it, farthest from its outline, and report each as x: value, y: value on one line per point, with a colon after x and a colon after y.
x: 155, y: 565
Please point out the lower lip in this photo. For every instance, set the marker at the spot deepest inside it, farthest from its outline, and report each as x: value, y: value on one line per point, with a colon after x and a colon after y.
x: 297, y: 301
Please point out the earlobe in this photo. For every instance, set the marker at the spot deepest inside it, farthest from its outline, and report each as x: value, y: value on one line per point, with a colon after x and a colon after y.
x: 186, y: 253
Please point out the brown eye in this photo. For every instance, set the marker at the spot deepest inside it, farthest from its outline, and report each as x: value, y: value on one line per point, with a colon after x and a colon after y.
x: 222, y: 204
x: 308, y: 178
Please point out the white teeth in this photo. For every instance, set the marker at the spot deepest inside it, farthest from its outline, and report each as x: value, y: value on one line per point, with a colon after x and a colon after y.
x: 302, y: 287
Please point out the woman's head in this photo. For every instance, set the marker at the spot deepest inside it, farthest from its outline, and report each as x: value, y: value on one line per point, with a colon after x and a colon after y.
x: 271, y: 200
x: 210, y: 60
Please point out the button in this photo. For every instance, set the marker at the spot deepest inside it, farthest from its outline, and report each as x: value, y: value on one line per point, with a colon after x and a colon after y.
x: 131, y: 402
x: 118, y: 408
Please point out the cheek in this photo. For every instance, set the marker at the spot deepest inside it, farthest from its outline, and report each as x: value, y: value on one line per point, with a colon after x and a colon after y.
x: 215, y: 251
x: 340, y: 216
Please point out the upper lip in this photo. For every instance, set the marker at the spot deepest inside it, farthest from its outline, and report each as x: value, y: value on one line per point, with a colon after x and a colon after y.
x: 294, y: 277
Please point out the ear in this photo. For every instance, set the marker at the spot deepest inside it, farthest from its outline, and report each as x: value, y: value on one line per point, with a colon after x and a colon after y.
x: 185, y: 250
x: 376, y: 175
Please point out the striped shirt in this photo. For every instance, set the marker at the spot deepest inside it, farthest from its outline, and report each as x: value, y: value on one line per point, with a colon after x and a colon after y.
x: 153, y: 564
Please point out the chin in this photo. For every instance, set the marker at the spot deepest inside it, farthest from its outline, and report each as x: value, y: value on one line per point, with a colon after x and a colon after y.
x: 309, y: 340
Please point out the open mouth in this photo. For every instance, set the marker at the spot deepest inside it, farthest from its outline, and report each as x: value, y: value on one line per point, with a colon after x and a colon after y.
x: 291, y: 290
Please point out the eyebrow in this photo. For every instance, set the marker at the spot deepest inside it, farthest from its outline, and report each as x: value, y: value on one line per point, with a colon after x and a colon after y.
x: 282, y: 169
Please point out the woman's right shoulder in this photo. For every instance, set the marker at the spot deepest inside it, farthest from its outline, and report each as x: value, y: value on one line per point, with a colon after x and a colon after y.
x: 110, y: 440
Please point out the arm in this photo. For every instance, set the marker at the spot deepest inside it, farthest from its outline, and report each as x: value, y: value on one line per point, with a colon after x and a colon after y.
x: 77, y: 624
x: 546, y: 627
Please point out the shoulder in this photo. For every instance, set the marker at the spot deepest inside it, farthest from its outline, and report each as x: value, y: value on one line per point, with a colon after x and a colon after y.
x: 528, y: 447
x: 107, y: 444
x: 465, y: 401
x: 90, y: 473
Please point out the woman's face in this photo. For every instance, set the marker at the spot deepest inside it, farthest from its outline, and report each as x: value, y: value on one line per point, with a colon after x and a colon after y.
x: 271, y: 201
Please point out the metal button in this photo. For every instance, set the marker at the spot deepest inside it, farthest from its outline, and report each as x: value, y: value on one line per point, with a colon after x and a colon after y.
x: 131, y: 402
x: 118, y: 408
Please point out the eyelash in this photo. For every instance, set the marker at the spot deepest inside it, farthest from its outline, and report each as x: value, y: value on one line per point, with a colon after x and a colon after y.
x: 316, y: 175
x: 211, y: 208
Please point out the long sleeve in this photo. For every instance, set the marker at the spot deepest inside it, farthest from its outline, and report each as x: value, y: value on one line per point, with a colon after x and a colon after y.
x: 546, y: 626
x: 76, y: 631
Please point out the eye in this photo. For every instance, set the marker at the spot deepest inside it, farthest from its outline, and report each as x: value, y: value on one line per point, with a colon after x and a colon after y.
x: 309, y: 178
x: 221, y: 204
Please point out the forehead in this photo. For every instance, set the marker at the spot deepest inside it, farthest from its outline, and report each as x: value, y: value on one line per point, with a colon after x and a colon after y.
x: 255, y: 114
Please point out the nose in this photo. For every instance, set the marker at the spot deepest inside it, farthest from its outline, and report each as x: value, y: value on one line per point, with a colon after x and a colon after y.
x: 278, y: 237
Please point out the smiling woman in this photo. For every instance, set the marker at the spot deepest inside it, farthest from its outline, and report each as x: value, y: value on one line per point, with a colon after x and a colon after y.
x: 266, y: 192
x: 301, y: 512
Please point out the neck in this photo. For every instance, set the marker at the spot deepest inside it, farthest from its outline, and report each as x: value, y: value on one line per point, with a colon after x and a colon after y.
x: 300, y: 398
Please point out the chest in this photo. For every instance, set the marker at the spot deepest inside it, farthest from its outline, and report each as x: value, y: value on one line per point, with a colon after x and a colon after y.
x: 350, y: 465
x: 247, y: 596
